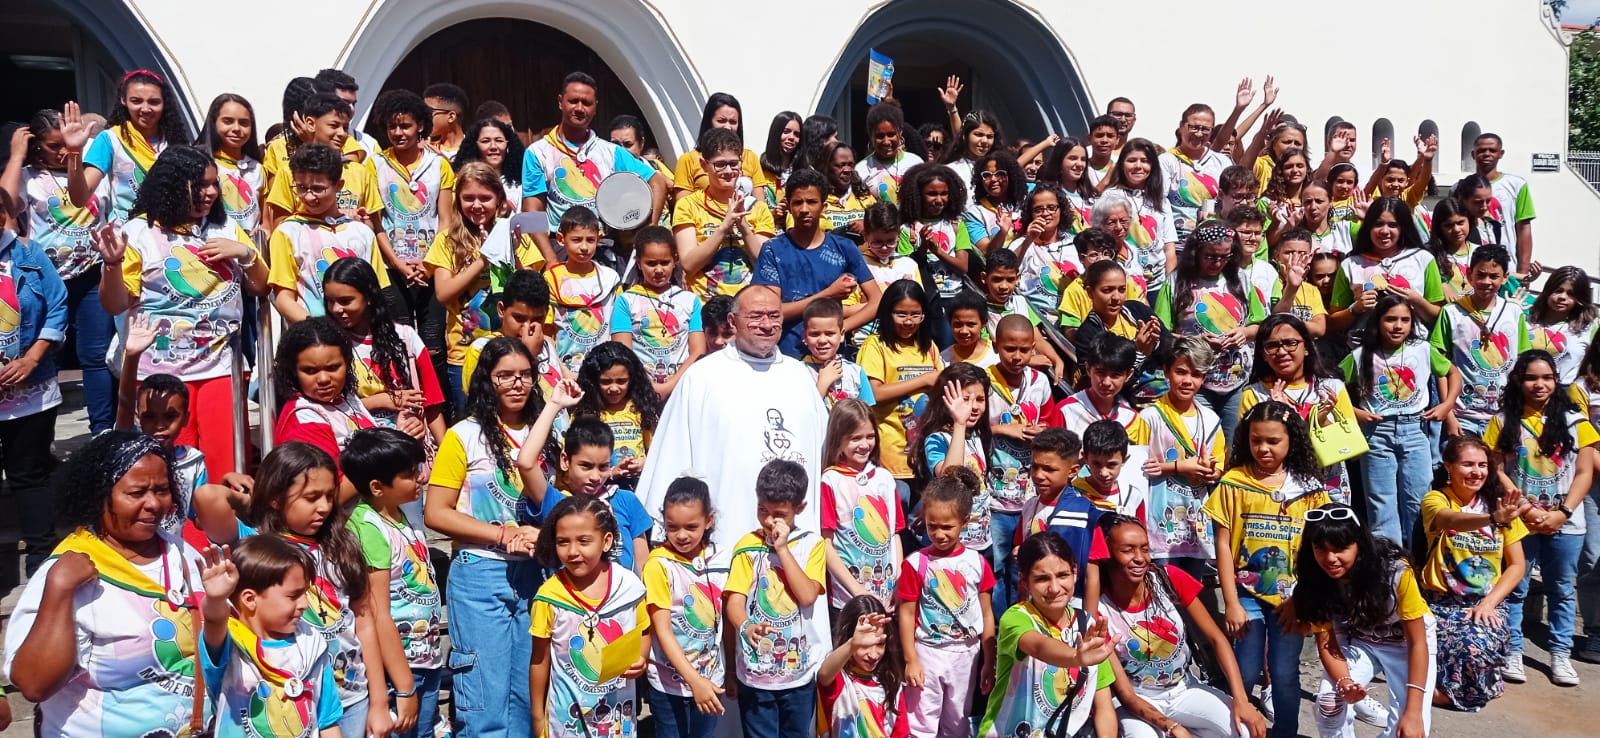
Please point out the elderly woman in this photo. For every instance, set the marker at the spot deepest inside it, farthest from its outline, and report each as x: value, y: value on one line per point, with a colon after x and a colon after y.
x: 103, y: 638
x: 1106, y: 238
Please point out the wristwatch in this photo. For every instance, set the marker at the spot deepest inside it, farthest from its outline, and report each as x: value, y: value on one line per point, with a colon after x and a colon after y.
x: 1565, y: 510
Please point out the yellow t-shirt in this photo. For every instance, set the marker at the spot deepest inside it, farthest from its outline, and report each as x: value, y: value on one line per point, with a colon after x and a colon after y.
x: 275, y: 160
x: 1076, y: 305
x: 303, y: 248
x: 741, y: 571
x: 1264, y: 532
x: 897, y: 419
x: 1307, y: 300
x: 732, y: 266
x: 1304, y: 397
x: 1465, y: 561
x: 1408, y: 605
x: 690, y: 173
x: 472, y: 314
x: 360, y: 191
x: 629, y: 436
x: 1545, y: 480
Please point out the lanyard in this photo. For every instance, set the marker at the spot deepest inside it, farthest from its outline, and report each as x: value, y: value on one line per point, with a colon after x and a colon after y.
x: 591, y: 613
x: 292, y: 685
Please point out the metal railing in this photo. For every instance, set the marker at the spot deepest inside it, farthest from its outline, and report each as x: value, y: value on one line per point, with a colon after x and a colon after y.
x: 1587, y: 164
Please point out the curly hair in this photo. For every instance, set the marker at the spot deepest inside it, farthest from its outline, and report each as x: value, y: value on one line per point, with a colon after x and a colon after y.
x: 171, y: 189
x: 390, y: 358
x: 1067, y: 216
x: 212, y: 141
x: 825, y: 157
x: 318, y: 158
x: 483, y: 403
x: 1364, y: 598
x: 280, y: 472
x: 1556, y: 437
x: 1016, y: 179
x: 1300, y: 462
x: 937, y: 418
x: 510, y: 166
x: 916, y: 180
x: 394, y: 103
x: 84, y: 480
x: 641, y: 393
x: 170, y: 127
x: 309, y: 333
x: 544, y: 549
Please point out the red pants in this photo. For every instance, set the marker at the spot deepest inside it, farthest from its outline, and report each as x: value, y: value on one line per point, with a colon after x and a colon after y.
x: 210, y: 426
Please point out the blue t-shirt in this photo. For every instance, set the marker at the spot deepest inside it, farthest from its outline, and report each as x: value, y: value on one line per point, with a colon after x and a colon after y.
x: 1076, y: 519
x: 800, y: 273
x: 633, y: 520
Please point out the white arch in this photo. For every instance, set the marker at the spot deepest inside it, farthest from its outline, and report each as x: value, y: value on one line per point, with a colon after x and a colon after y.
x: 629, y: 35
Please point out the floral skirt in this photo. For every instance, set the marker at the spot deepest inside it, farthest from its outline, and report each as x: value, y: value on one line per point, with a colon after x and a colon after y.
x: 1470, y: 653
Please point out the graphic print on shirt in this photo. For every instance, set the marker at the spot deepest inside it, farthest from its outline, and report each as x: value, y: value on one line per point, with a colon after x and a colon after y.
x: 1473, y: 575
x: 778, y: 440
x: 1267, y: 570
x: 1396, y: 386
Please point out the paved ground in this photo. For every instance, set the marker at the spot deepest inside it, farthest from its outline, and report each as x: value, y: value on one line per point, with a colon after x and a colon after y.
x: 1535, y: 709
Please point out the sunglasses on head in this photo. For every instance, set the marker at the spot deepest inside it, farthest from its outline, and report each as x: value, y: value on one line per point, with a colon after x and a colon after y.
x: 1330, y: 513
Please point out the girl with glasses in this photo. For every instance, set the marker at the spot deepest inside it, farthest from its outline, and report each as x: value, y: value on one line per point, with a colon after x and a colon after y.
x: 999, y: 188
x: 1288, y: 368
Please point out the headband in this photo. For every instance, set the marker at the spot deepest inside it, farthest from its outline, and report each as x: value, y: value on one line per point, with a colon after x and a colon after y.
x: 145, y: 72
x: 1214, y: 232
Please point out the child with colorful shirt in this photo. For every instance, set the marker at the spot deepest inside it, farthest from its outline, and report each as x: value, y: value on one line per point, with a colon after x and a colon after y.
x: 591, y: 605
x: 160, y: 404
x: 305, y: 244
x: 838, y: 378
x: 968, y: 317
x: 383, y: 464
x: 416, y: 183
x: 312, y: 374
x: 999, y: 286
x: 902, y: 365
x: 1109, y: 366
x: 581, y: 291
x: 656, y: 316
x: 956, y: 434
x: 1482, y: 334
x: 1049, y: 261
x: 719, y: 229
x: 586, y: 466
x: 327, y: 121
x: 616, y: 391
x: 861, y: 514
x: 1018, y: 408
x: 1055, y: 459
x: 1187, y: 453
x: 523, y: 307
x: 683, y: 593
x: 775, y: 585
x: 863, y: 690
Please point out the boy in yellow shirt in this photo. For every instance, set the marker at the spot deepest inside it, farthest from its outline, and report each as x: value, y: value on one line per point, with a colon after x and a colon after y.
x: 305, y: 244
x: 325, y: 119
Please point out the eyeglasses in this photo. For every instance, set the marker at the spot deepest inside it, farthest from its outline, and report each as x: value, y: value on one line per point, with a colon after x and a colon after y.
x: 1047, y: 209
x: 312, y: 189
x: 725, y: 165
x: 440, y: 111
x: 914, y: 317
x: 1287, y: 346
x: 1217, y: 258
x: 512, y: 379
x: 1122, y: 222
x: 1202, y: 130
x: 1330, y: 513
x: 986, y: 176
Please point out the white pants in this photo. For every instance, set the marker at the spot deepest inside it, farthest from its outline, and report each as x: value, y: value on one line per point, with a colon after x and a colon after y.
x: 939, y: 707
x: 1336, y: 718
x: 1204, y: 710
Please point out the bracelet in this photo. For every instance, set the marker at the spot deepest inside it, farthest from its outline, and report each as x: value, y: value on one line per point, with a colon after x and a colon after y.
x: 253, y: 259
x: 1409, y: 685
x: 1342, y: 680
x: 502, y: 542
x: 402, y: 695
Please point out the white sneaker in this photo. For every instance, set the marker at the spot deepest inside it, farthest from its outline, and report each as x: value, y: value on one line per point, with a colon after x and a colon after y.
x: 1561, y: 672
x: 1267, y: 710
x: 1372, y: 712
x: 1512, y: 670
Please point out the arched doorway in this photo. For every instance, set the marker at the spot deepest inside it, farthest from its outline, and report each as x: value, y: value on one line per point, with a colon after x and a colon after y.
x: 1009, y: 60
x: 637, y: 62
x: 488, y: 58
x: 59, y: 50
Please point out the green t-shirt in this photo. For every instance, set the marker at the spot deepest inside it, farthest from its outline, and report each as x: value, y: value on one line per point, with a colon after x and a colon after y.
x: 1027, y: 690
x: 414, y: 600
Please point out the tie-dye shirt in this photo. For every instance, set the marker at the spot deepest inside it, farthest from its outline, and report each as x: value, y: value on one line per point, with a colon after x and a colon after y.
x: 789, y: 655
x: 691, y: 591
x: 857, y: 706
x: 303, y: 247
x: 1191, y: 183
x: 1484, y: 344
x: 1045, y: 268
x: 946, y: 588
x: 195, y: 306
x: 862, y: 509
x: 883, y: 178
x: 660, y: 324
x: 1177, y: 528
x: 1011, y: 461
x: 65, y: 231
x: 488, y: 493
x: 1566, y: 341
x: 578, y: 704
x: 132, y: 672
x: 251, y: 703
x: 240, y: 184
x: 411, y: 199
x: 1027, y: 691
x: 109, y: 153
x: 472, y: 314
x: 1215, y: 310
x: 580, y: 309
x: 414, y: 601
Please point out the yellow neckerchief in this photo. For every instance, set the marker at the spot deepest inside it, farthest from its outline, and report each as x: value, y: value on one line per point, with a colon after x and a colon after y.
x: 1180, y: 429
x: 554, y: 139
x: 113, y: 568
x: 138, y: 147
x: 387, y: 155
x: 1003, y: 386
x: 250, y: 645
x: 1178, y: 153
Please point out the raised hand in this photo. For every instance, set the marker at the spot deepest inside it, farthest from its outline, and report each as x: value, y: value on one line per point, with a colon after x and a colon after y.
x: 110, y: 245
x: 74, y: 129
x: 1385, y: 150
x: 142, y: 334
x: 567, y: 393
x: 1269, y: 92
x: 1245, y: 95
x: 1094, y: 646
x: 951, y: 91
x: 217, y: 573
x: 869, y: 630
x: 20, y: 139
x: 957, y: 403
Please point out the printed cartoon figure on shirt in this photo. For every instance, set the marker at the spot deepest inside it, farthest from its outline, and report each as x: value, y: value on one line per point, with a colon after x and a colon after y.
x: 779, y: 441
x: 1268, y: 570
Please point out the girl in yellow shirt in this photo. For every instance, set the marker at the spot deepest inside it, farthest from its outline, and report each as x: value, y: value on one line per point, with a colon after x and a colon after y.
x: 617, y: 389
x: 1289, y: 368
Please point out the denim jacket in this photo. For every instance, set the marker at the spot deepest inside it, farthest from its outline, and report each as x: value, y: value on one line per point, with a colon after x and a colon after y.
x: 41, y: 298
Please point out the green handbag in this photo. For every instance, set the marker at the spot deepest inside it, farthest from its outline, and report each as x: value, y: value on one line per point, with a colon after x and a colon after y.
x: 1339, y: 439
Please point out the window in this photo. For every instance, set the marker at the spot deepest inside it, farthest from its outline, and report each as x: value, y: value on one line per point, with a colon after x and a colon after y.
x: 1382, y: 130
x: 1469, y: 137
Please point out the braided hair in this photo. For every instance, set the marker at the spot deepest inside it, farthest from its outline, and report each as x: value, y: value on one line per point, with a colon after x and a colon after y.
x: 390, y: 358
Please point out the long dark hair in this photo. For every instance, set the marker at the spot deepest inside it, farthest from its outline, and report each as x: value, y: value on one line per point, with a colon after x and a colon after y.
x: 1371, y: 341
x: 718, y: 101
x: 1159, y: 588
x: 309, y: 333
x: 1364, y: 599
x: 1314, y: 367
x: 510, y: 166
x: 212, y: 141
x: 1183, y: 282
x: 1409, y: 238
x: 1442, y: 213
x: 897, y: 292
x: 544, y: 549
x: 1300, y: 462
x: 937, y: 419
x: 1555, y: 438
x: 891, y: 668
x: 772, y: 157
x: 916, y: 180
x: 956, y: 149
x: 483, y: 401
x: 1056, y: 161
x: 1583, y: 315
x: 1278, y: 184
x: 390, y: 358
x: 814, y: 132
x: 285, y: 466
x: 601, y: 359
x: 1155, y: 192
x: 170, y: 126
x: 171, y: 189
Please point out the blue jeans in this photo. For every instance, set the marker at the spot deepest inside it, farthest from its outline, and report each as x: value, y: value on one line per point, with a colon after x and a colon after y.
x: 1557, y: 557
x: 1002, y: 529
x: 1226, y: 406
x: 426, y: 683
x: 1263, y: 640
x: 354, y: 721
x: 784, y: 713
x: 454, y: 396
x: 92, y: 329
x: 1398, y: 472
x: 677, y: 717
x: 490, y: 645
x: 1589, y: 568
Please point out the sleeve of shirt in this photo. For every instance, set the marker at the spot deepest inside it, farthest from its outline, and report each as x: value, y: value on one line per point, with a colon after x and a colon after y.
x: 683, y: 214
x: 936, y: 447
x: 741, y: 574
x: 963, y: 241
x: 282, y: 271
x: 447, y: 175
x: 817, y: 563
x: 683, y: 172
x: 1163, y: 308
x: 1491, y: 432
x: 1587, y: 436
x: 1438, y: 362
x: 1524, y: 204
x: 1433, y: 503
x: 319, y: 434
x: 374, y: 546
x: 98, y: 155
x: 985, y: 582
x: 469, y: 364
x: 761, y: 221
x: 439, y: 254
x: 635, y: 516
x: 1409, y: 604
x: 369, y: 189
x: 1220, y: 506
x: 873, y: 362
x: 1074, y: 305
x: 625, y: 161
x: 974, y: 227
x: 1104, y: 677
x: 866, y: 394
x: 909, y: 587
x: 1341, y: 296
x: 280, y: 193
x: 1185, y: 586
x: 432, y: 391
x: 1168, y: 231
x: 1311, y: 298
x: 903, y: 244
x: 1524, y: 335
x: 133, y: 272
x: 1014, y: 623
x: 621, y: 317
x: 696, y: 324
x: 1432, y: 285
x: 541, y: 620
x: 213, y: 670
x: 1439, y: 337
x: 329, y: 710
x: 532, y: 174
x: 829, y: 514
x: 1098, y: 550
x: 657, y: 586
x: 768, y: 270
x: 450, y: 463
